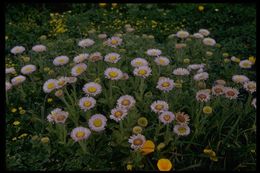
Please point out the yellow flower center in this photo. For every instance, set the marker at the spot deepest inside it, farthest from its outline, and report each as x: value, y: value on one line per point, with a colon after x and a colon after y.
x: 161, y: 61
x: 230, y: 93
x: 112, y: 58
x: 61, y: 60
x: 80, y: 134
x: 60, y: 117
x: 118, y: 114
x: 97, y: 122
x: 165, y: 84
x: 202, y: 96
x: 28, y: 69
x: 113, y: 74
x: 246, y: 64
x: 87, y: 103
x: 180, y: 118
x: 142, y: 72
x: 218, y: 90
x: 137, y: 142
x: 138, y: 63
x: 166, y: 117
x: 92, y: 89
x: 125, y: 102
x: 50, y: 85
x: 182, y: 130
x: 79, y: 70
x: 251, y: 86
x: 114, y: 42
x: 158, y: 107
x: 62, y: 82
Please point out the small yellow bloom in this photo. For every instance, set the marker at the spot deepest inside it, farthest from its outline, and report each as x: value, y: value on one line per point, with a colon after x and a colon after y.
x: 20, y: 108
x: 207, y: 110
x: 16, y: 123
x: 200, y: 8
x: 49, y: 100
x: 22, y: 112
x: 129, y: 167
x: 26, y: 58
x: 164, y: 165
x: 186, y: 61
x: 160, y: 146
x: 97, y: 80
x: 137, y: 130
x: 45, y: 140
x: 13, y: 110
x: 23, y: 135
x: 148, y: 147
x: 252, y: 59
x: 225, y: 55
x: 142, y: 121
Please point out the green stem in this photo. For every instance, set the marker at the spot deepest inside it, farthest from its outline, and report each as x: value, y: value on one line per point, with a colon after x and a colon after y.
x: 110, y: 94
x: 83, y: 146
x: 141, y: 89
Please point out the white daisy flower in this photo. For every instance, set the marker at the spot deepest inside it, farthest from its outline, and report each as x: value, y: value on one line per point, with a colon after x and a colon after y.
x: 250, y: 86
x: 92, y: 88
x: 166, y: 117
x: 8, y: 86
x: 200, y: 71
x: 138, y: 62
x: 143, y: 71
x: 209, y: 42
x: 10, y: 70
x: 28, y: 69
x: 60, y: 60
x: 161, y: 60
x: 97, y: 122
x: 181, y: 130
x: 204, y: 32
x: 50, y: 85
x: 118, y: 114
x: 201, y: 76
x: 58, y: 116
x: 220, y: 82
x: 71, y: 79
x: 154, y: 52
x: 182, y: 118
x: 253, y: 103
x: 114, y: 42
x: 137, y: 141
x: 87, y: 103
x: 231, y: 93
x: 125, y: 76
x: 80, y: 133
x: 86, y: 43
x: 182, y: 34
x: 159, y: 106
x: 245, y: 64
x: 113, y: 73
x: 165, y: 84
x: 61, y: 82
x: 126, y: 102
x: 17, y: 50
x: 39, y: 48
x: 218, y: 90
x: 198, y: 35
x: 202, y: 96
x: 240, y: 79
x: 181, y: 72
x: 18, y: 80
x: 80, y: 58
x: 96, y: 56
x: 112, y: 57
x: 78, y: 69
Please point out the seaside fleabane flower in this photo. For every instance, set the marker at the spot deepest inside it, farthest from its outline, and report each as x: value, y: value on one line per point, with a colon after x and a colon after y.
x: 159, y: 106
x: 126, y: 102
x: 39, y: 48
x: 137, y: 141
x: 10, y: 70
x: 28, y: 69
x: 92, y: 88
x: 80, y: 133
x: 195, y: 66
x: 87, y: 103
x: 182, y: 118
x: 181, y: 129
x: 8, y: 86
x: 218, y: 90
x: 96, y: 56
x: 61, y: 82
x: 240, y: 79
x: 17, y: 50
x: 50, y: 85
x: 162, y: 61
x: 97, y: 122
x: 154, y: 52
x: 86, y: 43
x: 58, y: 116
x: 143, y: 71
x: 250, y: 86
x: 220, y: 82
x: 148, y: 147
x: 118, y: 114
x: 209, y: 41
x: 182, y: 34
x: 165, y: 84
x: 181, y: 72
x: 201, y: 76
x: 113, y: 73
x: 18, y: 80
x: 166, y: 117
x: 78, y: 69
x: 202, y: 96
x: 112, y: 57
x: 204, y: 32
x: 60, y: 60
x: 138, y: 62
x: 80, y: 58
x: 114, y: 41
x: 245, y: 64
x: 164, y: 164
x: 231, y: 93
